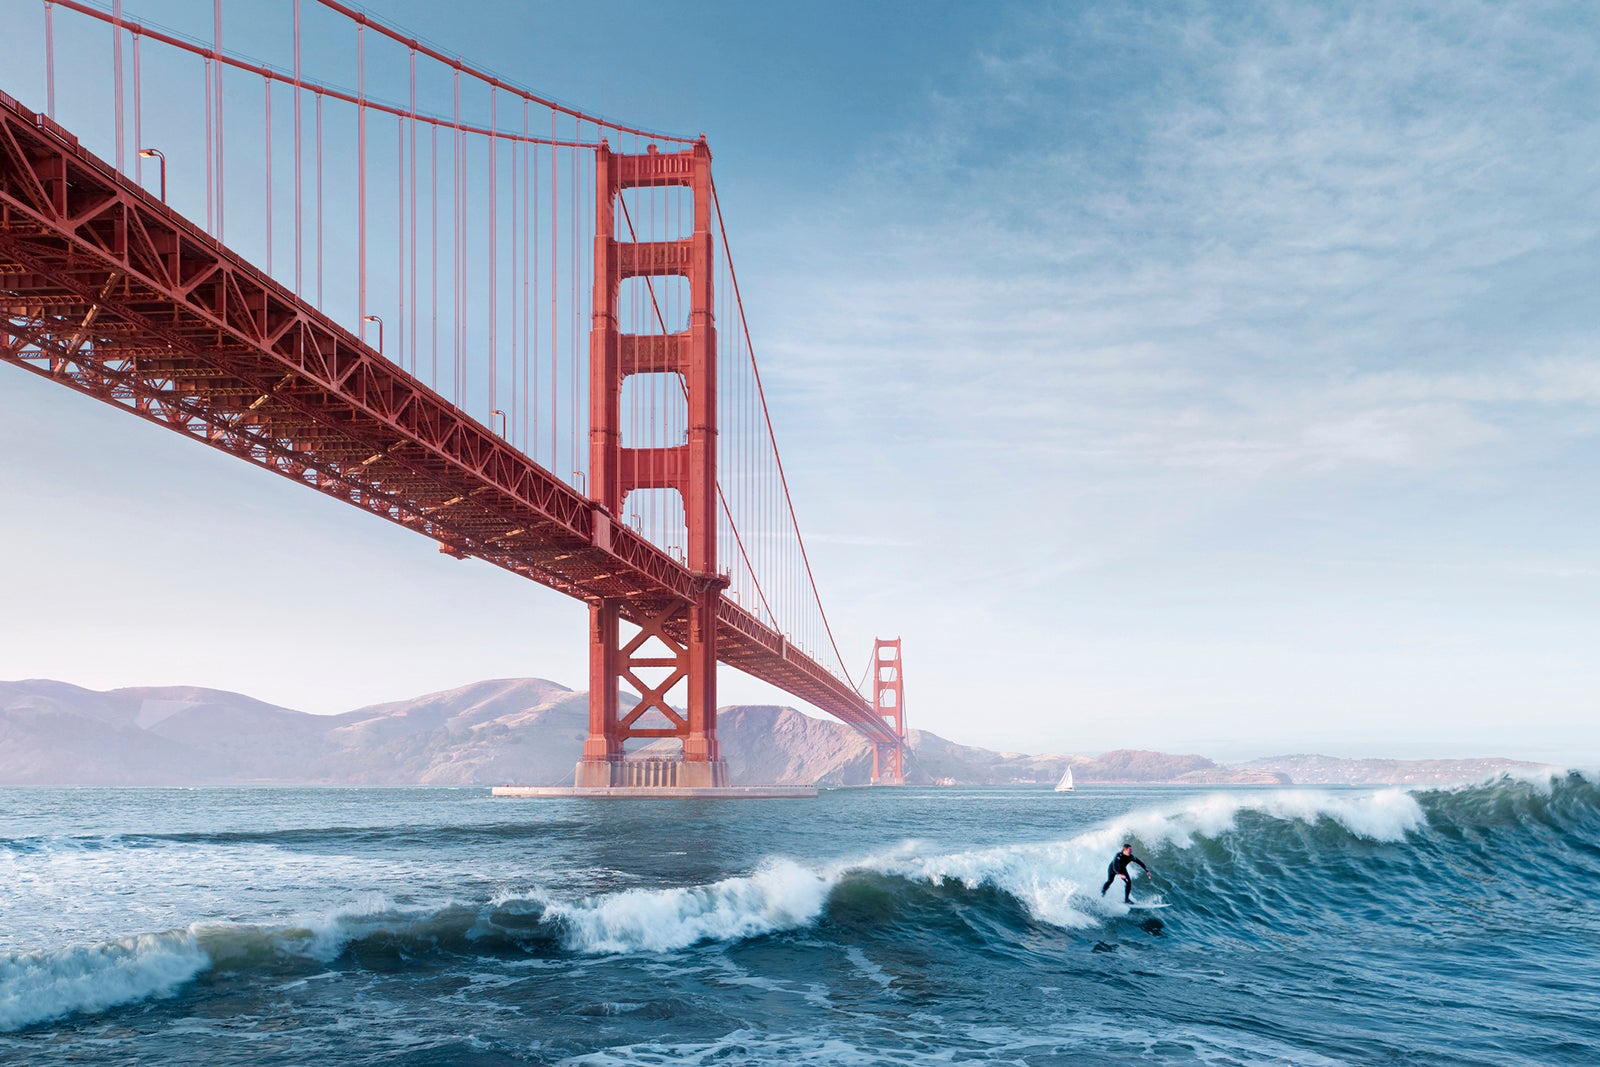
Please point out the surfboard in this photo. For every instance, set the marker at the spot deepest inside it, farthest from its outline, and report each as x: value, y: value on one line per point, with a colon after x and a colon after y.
x: 1137, y: 906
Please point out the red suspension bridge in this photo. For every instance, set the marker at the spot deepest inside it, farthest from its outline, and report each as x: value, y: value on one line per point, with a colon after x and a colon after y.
x: 501, y: 322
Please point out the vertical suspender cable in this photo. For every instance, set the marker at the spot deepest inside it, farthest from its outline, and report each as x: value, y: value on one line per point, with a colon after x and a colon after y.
x: 582, y: 296
x: 533, y: 311
x: 510, y: 422
x: 494, y: 353
x: 572, y: 325
x: 320, y: 271
x: 299, y: 223
x: 403, y: 244
x: 361, y: 177
x: 266, y: 85
x: 138, y: 117
x: 116, y: 74
x: 216, y: 27
x: 463, y: 234
x: 433, y: 252
x: 211, y: 153
x: 527, y: 323
x: 416, y: 344
x: 50, y: 57
x: 555, y: 274
x: 455, y: 262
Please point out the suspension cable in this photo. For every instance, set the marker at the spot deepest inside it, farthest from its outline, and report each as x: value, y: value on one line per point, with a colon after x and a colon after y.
x: 767, y: 416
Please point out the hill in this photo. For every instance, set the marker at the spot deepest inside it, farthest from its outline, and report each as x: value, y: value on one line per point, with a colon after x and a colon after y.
x: 530, y: 731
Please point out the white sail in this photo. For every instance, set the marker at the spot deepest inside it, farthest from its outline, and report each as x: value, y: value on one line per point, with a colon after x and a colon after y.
x: 1065, y: 785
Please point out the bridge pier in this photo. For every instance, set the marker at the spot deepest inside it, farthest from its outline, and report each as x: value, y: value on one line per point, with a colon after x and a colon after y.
x: 656, y: 647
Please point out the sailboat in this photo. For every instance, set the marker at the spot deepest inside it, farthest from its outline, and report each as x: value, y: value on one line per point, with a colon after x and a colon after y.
x: 1065, y: 785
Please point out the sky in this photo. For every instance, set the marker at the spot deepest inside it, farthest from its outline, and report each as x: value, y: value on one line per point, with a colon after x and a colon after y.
x: 1204, y: 378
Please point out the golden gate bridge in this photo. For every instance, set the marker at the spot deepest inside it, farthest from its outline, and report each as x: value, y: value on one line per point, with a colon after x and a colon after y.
x: 499, y: 321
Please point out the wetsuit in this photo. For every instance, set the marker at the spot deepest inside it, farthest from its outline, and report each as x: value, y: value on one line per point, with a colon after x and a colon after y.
x: 1119, y: 869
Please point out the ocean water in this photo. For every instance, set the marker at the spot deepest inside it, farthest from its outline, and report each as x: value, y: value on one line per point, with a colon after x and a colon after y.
x: 443, y: 926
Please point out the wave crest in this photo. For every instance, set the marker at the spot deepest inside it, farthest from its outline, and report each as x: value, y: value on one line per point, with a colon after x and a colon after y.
x: 36, y: 987
x: 780, y: 896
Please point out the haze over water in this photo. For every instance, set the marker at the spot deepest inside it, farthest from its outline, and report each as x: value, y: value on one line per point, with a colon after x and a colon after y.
x: 441, y: 926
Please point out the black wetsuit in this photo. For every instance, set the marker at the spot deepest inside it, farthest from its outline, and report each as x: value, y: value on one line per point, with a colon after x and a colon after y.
x: 1119, y: 869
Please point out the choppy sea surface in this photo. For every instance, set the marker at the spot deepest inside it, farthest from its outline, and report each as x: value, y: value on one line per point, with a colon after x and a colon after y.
x: 910, y: 926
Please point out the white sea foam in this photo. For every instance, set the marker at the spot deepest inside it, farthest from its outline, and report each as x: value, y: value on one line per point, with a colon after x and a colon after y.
x: 324, y: 937
x: 1380, y: 815
x: 1543, y: 778
x: 1049, y: 879
x: 1081, y: 1035
x: 875, y: 973
x: 42, y: 985
x: 36, y: 987
x: 780, y: 896
x: 520, y: 900
x: 751, y: 1047
x: 87, y: 890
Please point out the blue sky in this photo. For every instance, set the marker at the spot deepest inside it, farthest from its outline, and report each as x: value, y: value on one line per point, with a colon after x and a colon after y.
x: 1216, y: 378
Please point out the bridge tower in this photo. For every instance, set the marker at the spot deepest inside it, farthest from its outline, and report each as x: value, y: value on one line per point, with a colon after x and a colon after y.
x: 677, y: 641
x: 888, y: 702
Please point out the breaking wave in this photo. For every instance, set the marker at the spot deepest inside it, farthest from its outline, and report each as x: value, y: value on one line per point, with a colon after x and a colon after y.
x: 39, y: 986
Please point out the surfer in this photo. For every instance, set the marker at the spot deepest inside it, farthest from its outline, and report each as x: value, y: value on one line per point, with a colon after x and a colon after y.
x: 1119, y: 869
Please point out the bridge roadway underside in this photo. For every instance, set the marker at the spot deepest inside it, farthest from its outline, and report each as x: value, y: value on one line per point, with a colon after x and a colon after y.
x: 106, y: 290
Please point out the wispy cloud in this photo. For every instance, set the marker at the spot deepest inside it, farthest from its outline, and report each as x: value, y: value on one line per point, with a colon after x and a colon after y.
x: 1293, y: 240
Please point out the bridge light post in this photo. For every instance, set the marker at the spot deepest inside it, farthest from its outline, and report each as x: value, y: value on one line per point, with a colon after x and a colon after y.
x: 502, y: 415
x: 379, y: 321
x: 156, y: 154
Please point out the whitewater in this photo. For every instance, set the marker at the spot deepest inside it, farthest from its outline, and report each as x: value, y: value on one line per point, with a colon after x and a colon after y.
x: 443, y: 926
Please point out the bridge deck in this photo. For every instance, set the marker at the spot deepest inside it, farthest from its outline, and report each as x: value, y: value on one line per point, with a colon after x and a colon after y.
x: 107, y: 290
